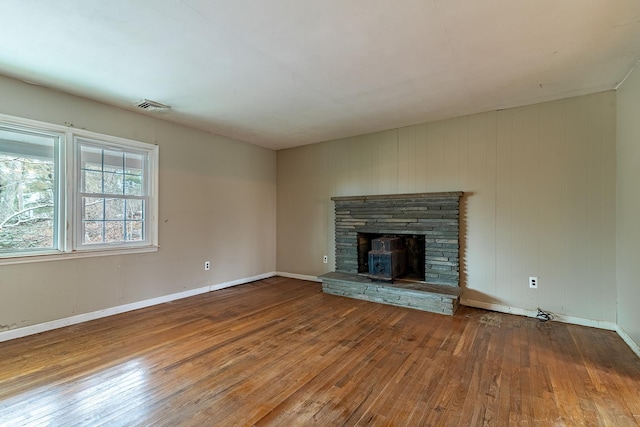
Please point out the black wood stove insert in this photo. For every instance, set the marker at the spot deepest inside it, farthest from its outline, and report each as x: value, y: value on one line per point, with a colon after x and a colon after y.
x: 387, y: 258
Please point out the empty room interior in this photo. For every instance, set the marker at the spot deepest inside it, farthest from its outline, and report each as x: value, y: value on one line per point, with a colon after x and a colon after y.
x: 320, y: 213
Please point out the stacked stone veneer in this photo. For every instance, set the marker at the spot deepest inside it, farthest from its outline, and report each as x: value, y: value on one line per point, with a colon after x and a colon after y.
x: 434, y: 215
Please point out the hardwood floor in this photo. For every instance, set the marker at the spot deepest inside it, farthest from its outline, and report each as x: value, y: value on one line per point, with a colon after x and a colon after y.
x: 280, y: 352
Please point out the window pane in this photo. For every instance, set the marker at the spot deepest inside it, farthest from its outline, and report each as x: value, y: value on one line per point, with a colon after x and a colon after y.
x: 27, y: 190
x: 113, y: 162
x: 90, y: 158
x: 93, y: 208
x: 92, y: 231
x: 113, y: 183
x: 114, y: 231
x: 135, y: 210
x: 133, y: 185
x: 112, y: 220
x: 134, y: 231
x: 91, y: 182
x: 134, y: 164
x: 111, y: 172
x: 114, y: 209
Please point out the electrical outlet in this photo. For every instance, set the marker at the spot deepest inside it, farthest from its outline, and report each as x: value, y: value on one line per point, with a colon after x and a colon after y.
x: 533, y: 282
x: 207, y: 265
x: 325, y: 259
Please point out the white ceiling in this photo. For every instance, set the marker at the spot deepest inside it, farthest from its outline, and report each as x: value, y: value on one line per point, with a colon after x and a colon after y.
x: 283, y: 73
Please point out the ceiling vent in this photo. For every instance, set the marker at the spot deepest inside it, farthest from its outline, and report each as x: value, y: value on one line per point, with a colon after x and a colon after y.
x: 151, y: 106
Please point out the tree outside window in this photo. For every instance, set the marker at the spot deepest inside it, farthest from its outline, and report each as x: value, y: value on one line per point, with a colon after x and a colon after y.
x: 27, y: 191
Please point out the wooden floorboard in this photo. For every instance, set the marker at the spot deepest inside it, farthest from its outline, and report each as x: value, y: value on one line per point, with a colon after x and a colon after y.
x: 280, y: 352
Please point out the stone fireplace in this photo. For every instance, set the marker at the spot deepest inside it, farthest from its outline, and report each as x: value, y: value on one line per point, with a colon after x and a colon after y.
x: 428, y: 225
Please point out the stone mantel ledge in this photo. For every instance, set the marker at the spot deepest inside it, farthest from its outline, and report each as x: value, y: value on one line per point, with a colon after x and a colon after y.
x: 442, y: 195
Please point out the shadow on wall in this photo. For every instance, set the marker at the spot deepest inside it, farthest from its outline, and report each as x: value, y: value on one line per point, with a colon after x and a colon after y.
x: 462, y: 240
x: 466, y: 293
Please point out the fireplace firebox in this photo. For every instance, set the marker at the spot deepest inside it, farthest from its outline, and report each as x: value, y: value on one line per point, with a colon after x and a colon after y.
x: 413, y: 255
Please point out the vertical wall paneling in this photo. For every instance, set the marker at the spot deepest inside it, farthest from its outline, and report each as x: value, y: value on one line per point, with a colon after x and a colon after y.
x: 595, y: 206
x: 609, y: 202
x: 628, y: 206
x: 506, y: 254
x: 355, y: 165
x: 406, y: 159
x: 489, y: 207
x: 386, y: 166
x: 536, y: 180
x: 435, y: 158
x: 451, y: 159
x: 463, y: 159
x: 553, y: 187
x: 479, y: 228
x: 422, y: 156
x: 463, y: 152
x: 338, y: 161
x: 576, y: 205
x: 527, y: 203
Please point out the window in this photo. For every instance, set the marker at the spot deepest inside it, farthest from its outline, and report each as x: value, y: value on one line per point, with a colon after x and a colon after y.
x: 112, y: 194
x: 28, y: 191
x: 66, y: 191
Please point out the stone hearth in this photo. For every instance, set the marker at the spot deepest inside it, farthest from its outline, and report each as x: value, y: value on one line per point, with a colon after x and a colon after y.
x: 432, y: 218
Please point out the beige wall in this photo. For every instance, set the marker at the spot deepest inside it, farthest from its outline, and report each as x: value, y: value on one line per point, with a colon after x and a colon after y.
x: 540, y: 199
x: 540, y: 184
x: 216, y: 202
x: 628, y: 211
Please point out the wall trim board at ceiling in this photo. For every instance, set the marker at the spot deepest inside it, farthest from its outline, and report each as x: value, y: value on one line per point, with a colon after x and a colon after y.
x: 80, y: 318
x: 599, y: 324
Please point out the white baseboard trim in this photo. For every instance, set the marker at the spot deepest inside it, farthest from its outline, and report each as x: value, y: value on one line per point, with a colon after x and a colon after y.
x: 600, y: 324
x: 241, y: 281
x: 635, y: 347
x: 298, y: 276
x: 60, y: 323
x: 68, y: 321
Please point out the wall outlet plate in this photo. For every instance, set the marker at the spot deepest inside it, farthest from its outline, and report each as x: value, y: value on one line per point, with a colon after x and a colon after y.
x: 325, y: 259
x: 533, y: 282
x: 207, y: 265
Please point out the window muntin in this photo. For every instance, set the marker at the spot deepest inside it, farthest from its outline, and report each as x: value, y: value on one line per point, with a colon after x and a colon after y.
x: 29, y: 190
x: 113, y: 194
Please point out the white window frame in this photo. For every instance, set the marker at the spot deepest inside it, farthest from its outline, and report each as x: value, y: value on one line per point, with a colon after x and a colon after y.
x: 32, y: 152
x: 69, y: 212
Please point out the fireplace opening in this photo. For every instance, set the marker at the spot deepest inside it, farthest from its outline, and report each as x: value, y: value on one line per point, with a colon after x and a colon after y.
x: 414, y: 253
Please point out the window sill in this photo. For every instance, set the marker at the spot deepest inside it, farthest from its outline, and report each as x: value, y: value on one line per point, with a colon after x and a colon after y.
x: 74, y: 255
